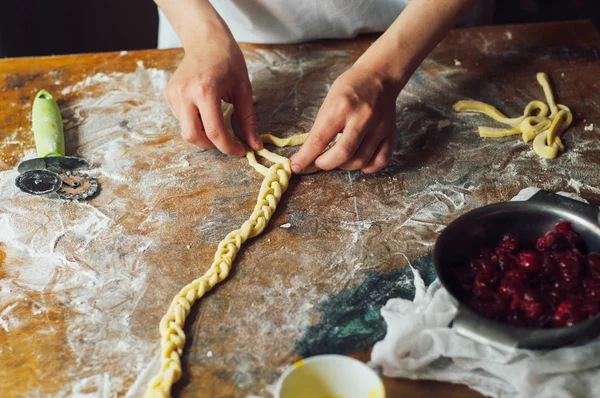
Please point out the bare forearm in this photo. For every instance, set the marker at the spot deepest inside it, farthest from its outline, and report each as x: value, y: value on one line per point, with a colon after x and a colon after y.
x: 418, y: 29
x: 193, y: 20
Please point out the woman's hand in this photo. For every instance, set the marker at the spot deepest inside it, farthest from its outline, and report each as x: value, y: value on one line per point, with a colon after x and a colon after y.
x: 213, y: 69
x: 362, y: 107
x: 361, y: 102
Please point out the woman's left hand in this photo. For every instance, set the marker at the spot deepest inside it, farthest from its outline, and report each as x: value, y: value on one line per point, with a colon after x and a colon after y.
x: 362, y: 107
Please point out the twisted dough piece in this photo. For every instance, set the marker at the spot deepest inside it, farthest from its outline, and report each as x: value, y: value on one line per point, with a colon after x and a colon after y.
x: 171, y: 326
x: 543, y: 128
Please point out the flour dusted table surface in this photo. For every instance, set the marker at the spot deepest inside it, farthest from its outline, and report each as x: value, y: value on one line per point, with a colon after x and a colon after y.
x: 84, y: 285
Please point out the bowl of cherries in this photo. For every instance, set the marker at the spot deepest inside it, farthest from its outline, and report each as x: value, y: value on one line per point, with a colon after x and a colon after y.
x: 525, y: 274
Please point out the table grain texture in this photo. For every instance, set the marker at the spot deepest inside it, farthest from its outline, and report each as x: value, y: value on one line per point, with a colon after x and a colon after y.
x: 84, y: 285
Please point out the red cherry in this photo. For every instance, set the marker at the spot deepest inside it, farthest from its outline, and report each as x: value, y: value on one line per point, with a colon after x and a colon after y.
x: 488, y: 267
x: 568, y: 264
x: 556, y: 296
x: 540, y: 245
x: 563, y: 227
x: 567, y: 286
x: 591, y: 288
x: 508, y: 243
x: 475, y: 264
x: 552, y: 241
x: 590, y: 309
x: 511, y: 286
x: 581, y: 260
x: 506, y: 261
x: 517, y: 273
x: 593, y: 264
x: 528, y: 261
x: 481, y: 286
x: 487, y: 254
x: 515, y: 302
x: 568, y: 313
x: 574, y: 241
x: 533, y: 307
x: 576, y: 318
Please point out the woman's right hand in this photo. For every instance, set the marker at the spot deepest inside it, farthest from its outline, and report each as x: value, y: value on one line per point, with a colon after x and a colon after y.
x: 213, y: 69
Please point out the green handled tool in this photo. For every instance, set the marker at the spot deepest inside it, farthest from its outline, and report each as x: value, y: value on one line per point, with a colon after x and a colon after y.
x: 52, y: 171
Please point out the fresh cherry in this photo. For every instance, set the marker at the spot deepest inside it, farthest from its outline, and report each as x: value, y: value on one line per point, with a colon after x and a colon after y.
x: 593, y: 264
x: 591, y: 288
x: 568, y: 265
x: 506, y: 261
x: 508, y: 243
x: 481, y: 286
x: 569, y: 313
x: 563, y: 227
x: 528, y: 261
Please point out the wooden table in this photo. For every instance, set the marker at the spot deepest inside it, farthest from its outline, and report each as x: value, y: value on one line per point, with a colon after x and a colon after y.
x: 84, y: 285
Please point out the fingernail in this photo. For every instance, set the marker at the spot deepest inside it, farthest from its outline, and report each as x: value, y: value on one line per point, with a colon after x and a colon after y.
x: 296, y: 169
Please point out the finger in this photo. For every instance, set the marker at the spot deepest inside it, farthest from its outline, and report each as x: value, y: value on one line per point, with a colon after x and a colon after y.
x: 323, y: 131
x: 382, y: 155
x: 343, y: 150
x: 366, y: 150
x: 245, y: 115
x: 214, y: 126
x: 191, y: 128
x: 174, y: 101
x: 172, y: 108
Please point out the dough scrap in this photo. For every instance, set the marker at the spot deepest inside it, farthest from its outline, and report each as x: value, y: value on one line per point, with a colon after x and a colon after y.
x: 275, y: 183
x: 529, y: 125
x: 543, y: 149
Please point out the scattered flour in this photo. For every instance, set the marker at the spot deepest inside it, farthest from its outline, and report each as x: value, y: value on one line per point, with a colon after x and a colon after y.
x: 98, y: 78
x: 589, y: 127
x: 75, y: 253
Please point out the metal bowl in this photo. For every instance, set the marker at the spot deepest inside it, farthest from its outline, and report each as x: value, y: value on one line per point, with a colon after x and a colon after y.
x: 526, y: 220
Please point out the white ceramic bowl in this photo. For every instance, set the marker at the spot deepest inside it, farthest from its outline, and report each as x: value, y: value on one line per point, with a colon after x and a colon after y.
x: 329, y: 376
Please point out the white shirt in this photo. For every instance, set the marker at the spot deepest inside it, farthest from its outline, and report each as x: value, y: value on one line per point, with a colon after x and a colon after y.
x: 293, y: 21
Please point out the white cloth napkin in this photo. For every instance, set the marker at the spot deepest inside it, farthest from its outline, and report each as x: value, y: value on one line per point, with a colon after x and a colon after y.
x: 419, y: 344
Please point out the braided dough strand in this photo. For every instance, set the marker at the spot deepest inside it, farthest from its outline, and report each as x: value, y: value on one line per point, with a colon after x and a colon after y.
x: 275, y: 182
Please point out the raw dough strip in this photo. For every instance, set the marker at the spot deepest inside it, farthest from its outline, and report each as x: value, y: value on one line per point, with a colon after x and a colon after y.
x: 545, y: 151
x: 543, y: 80
x: 568, y: 120
x: 494, y: 113
x: 530, y: 126
x: 496, y: 132
x: 283, y: 142
x: 560, y: 122
x: 172, y: 324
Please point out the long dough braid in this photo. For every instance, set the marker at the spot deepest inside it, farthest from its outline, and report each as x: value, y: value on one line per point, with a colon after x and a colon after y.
x: 171, y: 326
